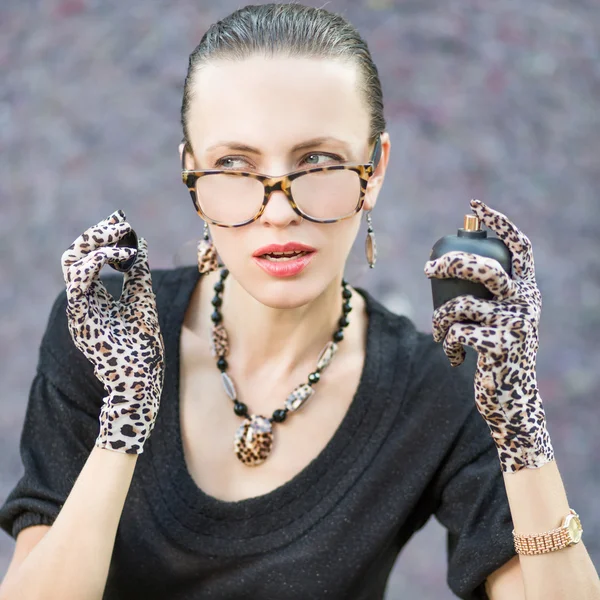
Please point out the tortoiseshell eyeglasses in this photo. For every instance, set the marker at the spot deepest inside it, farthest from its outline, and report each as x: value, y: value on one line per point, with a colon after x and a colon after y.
x: 228, y: 198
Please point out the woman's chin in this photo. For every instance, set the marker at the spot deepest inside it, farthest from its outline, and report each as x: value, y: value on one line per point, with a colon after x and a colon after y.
x: 287, y: 292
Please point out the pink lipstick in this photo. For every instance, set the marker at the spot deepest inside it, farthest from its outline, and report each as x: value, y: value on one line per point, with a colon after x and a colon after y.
x: 284, y: 260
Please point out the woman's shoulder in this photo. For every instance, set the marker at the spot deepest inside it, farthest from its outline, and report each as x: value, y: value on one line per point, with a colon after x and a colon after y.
x: 399, y: 329
x: 409, y: 348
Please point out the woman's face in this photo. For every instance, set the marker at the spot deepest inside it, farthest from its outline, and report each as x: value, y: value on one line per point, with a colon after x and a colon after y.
x: 250, y: 115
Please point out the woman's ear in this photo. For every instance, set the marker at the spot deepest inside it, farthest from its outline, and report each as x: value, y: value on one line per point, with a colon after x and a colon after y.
x: 376, y: 180
x: 186, y: 157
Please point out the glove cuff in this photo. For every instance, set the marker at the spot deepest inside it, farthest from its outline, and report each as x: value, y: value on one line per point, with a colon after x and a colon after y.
x: 515, y: 456
x: 124, y: 426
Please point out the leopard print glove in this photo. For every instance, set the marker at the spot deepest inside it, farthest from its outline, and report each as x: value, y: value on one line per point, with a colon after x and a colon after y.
x: 504, y: 332
x: 122, y: 339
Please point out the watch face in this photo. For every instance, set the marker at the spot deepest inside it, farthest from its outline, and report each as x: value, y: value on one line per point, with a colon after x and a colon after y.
x: 574, y: 529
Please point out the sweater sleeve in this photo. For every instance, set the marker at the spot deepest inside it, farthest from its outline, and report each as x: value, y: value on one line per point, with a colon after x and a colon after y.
x: 60, y: 427
x: 468, y: 490
x: 465, y: 490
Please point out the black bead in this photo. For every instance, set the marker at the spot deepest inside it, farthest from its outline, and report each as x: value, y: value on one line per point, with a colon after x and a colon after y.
x: 279, y: 415
x: 314, y: 377
x: 338, y: 336
x: 344, y: 283
x: 347, y: 307
x: 218, y: 287
x: 222, y: 364
x: 240, y: 409
x: 346, y: 293
x: 343, y: 322
x: 217, y: 301
x: 216, y: 317
x: 224, y: 274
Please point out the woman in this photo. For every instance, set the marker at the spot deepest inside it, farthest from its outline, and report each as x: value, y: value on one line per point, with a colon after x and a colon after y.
x: 197, y: 375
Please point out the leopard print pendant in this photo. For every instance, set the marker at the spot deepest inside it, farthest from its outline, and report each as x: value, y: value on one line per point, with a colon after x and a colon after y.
x: 254, y: 440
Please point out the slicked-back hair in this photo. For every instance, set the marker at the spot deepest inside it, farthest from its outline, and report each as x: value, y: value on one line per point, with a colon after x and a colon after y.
x: 291, y: 30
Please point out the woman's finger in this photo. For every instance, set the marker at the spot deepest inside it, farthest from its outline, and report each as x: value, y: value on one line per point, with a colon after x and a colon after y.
x: 77, y: 304
x: 484, y: 340
x: 496, y: 344
x: 454, y: 340
x: 475, y: 268
x: 467, y: 308
x: 137, y: 282
x: 518, y: 243
x: 84, y: 271
x: 106, y: 232
x: 86, y: 295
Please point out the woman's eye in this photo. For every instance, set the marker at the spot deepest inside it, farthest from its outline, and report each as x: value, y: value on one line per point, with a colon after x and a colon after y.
x: 313, y: 159
x: 229, y: 162
x: 316, y: 159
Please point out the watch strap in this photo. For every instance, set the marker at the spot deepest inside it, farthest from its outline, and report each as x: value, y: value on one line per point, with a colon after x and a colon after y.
x: 541, y: 543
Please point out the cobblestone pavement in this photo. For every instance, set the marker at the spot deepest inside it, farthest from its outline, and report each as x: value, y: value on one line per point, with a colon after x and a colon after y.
x: 495, y: 100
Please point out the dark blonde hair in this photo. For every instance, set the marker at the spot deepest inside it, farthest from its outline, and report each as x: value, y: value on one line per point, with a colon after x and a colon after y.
x: 293, y: 30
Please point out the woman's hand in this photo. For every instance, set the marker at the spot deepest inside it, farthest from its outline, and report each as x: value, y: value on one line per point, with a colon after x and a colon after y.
x: 504, y: 332
x: 122, y: 339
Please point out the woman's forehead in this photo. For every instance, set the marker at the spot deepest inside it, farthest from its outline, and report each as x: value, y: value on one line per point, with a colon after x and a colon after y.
x: 279, y: 96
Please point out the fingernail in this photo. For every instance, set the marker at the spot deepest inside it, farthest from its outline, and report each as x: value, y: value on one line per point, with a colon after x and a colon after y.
x: 117, y: 216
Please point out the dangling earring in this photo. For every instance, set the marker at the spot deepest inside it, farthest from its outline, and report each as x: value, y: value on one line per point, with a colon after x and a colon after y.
x: 207, y: 255
x: 370, y: 246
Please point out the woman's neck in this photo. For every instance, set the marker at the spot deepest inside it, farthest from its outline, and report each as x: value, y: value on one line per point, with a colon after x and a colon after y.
x: 265, y: 340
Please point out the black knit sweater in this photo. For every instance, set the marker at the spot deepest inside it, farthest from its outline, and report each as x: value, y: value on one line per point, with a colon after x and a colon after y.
x: 412, y: 445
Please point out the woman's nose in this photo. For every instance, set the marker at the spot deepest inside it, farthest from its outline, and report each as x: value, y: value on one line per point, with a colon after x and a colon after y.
x: 278, y: 211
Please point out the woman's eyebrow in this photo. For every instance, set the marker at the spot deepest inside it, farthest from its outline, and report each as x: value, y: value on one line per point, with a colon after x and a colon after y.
x: 318, y: 141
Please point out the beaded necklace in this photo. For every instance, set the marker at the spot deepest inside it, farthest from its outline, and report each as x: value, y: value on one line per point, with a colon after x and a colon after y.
x: 253, y: 440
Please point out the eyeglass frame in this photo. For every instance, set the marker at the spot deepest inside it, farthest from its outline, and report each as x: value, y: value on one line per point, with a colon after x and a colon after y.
x: 281, y: 183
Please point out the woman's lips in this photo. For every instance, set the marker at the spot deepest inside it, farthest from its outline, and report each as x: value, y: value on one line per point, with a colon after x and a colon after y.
x: 284, y: 267
x: 287, y: 247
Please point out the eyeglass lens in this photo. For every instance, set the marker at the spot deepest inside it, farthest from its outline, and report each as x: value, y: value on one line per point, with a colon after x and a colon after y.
x: 230, y: 198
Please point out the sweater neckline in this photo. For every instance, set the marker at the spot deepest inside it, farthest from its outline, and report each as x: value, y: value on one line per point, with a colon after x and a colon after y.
x: 206, y: 523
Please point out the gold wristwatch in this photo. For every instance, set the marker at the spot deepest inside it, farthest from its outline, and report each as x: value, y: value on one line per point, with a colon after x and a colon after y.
x: 567, y: 534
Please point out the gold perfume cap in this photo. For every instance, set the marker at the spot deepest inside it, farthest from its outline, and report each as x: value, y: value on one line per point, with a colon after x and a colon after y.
x: 471, y: 223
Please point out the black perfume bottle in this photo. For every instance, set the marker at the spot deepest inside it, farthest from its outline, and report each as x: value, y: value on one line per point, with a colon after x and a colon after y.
x: 470, y: 238
x: 129, y: 240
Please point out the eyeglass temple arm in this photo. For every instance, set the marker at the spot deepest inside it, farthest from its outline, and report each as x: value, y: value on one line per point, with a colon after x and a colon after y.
x: 376, y: 156
x: 185, y: 148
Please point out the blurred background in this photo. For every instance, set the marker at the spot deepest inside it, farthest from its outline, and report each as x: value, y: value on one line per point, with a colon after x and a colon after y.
x: 495, y: 100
